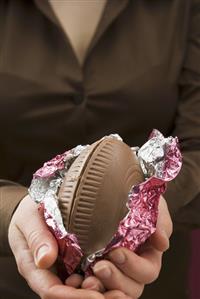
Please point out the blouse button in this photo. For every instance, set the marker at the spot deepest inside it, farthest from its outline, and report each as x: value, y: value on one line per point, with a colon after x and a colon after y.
x: 78, y: 98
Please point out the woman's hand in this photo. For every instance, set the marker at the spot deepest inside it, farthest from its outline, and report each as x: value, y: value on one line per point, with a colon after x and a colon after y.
x: 129, y: 272
x: 35, y: 250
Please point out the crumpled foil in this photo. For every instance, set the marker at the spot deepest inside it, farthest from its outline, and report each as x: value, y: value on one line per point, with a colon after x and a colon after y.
x: 44, y: 188
x: 160, y: 160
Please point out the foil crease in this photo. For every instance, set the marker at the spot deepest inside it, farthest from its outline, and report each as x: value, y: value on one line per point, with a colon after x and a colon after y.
x: 160, y: 157
x: 160, y: 160
x: 140, y: 222
x: 43, y: 189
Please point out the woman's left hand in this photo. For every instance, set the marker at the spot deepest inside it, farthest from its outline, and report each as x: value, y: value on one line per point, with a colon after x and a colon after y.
x: 127, y: 271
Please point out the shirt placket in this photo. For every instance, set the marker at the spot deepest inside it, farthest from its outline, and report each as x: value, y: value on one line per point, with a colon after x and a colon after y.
x: 79, y: 75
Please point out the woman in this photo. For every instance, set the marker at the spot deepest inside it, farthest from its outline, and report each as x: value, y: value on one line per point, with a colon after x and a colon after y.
x: 73, y: 71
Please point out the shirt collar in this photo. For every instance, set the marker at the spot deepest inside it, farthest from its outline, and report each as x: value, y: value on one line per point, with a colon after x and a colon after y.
x: 112, y: 10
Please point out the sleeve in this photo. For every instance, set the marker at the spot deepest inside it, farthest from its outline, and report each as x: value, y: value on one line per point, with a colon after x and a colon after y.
x: 183, y: 194
x: 11, y: 193
x: 10, y: 196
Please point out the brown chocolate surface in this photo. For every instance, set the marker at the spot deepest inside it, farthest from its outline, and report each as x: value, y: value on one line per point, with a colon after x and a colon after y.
x: 94, y: 192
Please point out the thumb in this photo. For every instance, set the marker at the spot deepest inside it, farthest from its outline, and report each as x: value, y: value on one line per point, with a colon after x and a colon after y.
x: 160, y: 239
x: 40, y: 240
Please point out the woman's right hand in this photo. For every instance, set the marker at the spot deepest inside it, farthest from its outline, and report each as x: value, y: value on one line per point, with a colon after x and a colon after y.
x: 35, y: 250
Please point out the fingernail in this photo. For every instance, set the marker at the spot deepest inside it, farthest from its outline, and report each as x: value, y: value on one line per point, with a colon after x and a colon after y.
x: 91, y: 286
x: 40, y: 253
x: 118, y: 257
x: 102, y: 270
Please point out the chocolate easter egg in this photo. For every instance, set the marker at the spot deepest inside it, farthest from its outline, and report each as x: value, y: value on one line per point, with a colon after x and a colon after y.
x: 94, y: 192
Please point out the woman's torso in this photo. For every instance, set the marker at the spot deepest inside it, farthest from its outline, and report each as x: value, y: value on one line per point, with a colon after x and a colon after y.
x: 127, y: 84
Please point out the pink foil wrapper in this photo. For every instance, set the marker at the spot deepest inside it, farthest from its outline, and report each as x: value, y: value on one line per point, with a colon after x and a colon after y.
x: 161, y: 161
x: 44, y: 187
x: 49, y: 168
x: 140, y: 222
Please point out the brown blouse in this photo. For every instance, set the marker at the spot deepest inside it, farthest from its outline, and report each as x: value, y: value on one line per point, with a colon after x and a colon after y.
x: 142, y: 71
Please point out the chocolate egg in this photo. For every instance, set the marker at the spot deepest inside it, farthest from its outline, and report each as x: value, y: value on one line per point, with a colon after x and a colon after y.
x: 94, y: 192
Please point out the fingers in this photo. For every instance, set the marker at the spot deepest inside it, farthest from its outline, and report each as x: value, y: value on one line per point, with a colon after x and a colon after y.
x: 39, y: 280
x: 144, y: 268
x: 132, y: 271
x: 74, y: 280
x: 164, y: 219
x: 93, y: 283
x: 116, y: 295
x: 113, y: 279
x: 63, y: 292
x: 46, y: 284
x: 40, y: 240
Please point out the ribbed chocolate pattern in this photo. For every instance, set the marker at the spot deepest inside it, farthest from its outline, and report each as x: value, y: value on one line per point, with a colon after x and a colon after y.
x: 89, y: 189
x: 69, y: 185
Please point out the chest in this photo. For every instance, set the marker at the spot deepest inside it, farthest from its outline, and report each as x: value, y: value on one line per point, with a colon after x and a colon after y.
x: 131, y: 74
x: 79, y: 20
